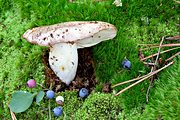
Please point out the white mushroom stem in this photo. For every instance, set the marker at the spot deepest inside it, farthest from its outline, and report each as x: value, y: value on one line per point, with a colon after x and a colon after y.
x: 63, y: 60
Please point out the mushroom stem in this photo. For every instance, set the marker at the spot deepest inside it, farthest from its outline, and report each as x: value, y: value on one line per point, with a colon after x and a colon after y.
x: 63, y: 60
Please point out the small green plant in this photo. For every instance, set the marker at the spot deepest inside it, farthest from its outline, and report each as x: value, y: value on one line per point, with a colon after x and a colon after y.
x: 22, y: 100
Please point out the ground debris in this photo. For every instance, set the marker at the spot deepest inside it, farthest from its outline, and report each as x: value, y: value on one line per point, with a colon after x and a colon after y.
x: 107, y: 88
x: 156, y: 65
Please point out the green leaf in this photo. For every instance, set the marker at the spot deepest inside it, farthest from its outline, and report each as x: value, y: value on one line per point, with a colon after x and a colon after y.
x: 39, y: 96
x: 21, y: 101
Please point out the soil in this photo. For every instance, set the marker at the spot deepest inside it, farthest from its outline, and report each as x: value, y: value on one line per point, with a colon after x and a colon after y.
x: 85, y: 76
x: 107, y: 88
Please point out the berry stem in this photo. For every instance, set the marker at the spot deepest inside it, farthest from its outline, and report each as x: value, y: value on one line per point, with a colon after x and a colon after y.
x: 34, y: 94
x: 41, y: 85
x: 49, y: 106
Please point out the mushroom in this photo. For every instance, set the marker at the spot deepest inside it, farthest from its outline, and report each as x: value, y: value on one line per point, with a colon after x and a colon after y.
x: 65, y: 38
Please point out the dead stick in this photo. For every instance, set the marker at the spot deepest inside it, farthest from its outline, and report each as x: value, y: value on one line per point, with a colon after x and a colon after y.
x: 150, y: 47
x: 150, y: 56
x: 178, y: 53
x: 128, y: 81
x: 147, y: 63
x: 177, y: 37
x: 153, y: 69
x: 165, y: 45
x: 178, y: 2
x: 153, y: 73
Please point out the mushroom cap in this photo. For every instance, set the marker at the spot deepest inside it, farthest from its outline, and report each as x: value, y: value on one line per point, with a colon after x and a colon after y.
x: 84, y: 33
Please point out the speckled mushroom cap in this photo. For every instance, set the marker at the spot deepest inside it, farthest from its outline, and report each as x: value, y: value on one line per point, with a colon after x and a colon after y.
x: 84, y: 33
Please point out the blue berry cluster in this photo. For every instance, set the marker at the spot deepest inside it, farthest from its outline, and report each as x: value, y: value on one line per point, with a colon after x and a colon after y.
x: 58, y: 111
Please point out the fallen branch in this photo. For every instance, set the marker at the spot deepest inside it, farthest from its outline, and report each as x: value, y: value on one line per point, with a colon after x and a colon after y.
x: 177, y: 37
x: 149, y: 75
x: 128, y: 81
x: 150, y: 56
x: 178, y: 2
x: 165, y: 45
x: 155, y: 46
x: 153, y: 69
x: 140, y: 54
x: 178, y: 53
x: 148, y: 63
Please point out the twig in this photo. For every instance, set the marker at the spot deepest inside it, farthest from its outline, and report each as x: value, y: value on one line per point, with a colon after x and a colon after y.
x: 165, y: 45
x: 178, y: 25
x: 153, y: 69
x: 128, y: 81
x: 147, y: 63
x: 178, y: 53
x: 140, y: 54
x: 177, y: 37
x: 150, y: 56
x: 178, y: 2
x: 149, y: 75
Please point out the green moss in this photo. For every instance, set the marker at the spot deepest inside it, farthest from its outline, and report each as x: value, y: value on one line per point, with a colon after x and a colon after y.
x: 99, y: 106
x: 20, y: 61
x: 137, y: 21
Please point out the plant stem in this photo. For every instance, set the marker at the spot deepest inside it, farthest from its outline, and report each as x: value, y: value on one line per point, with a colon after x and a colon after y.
x: 13, y: 115
x: 149, y: 75
x: 41, y: 85
x: 150, y: 56
x: 34, y: 94
x: 49, y: 105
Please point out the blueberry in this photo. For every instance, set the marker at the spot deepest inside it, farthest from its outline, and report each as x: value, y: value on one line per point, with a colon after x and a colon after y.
x: 83, y: 93
x: 60, y: 100
x: 50, y: 94
x: 58, y: 111
x: 31, y: 83
x: 126, y: 64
